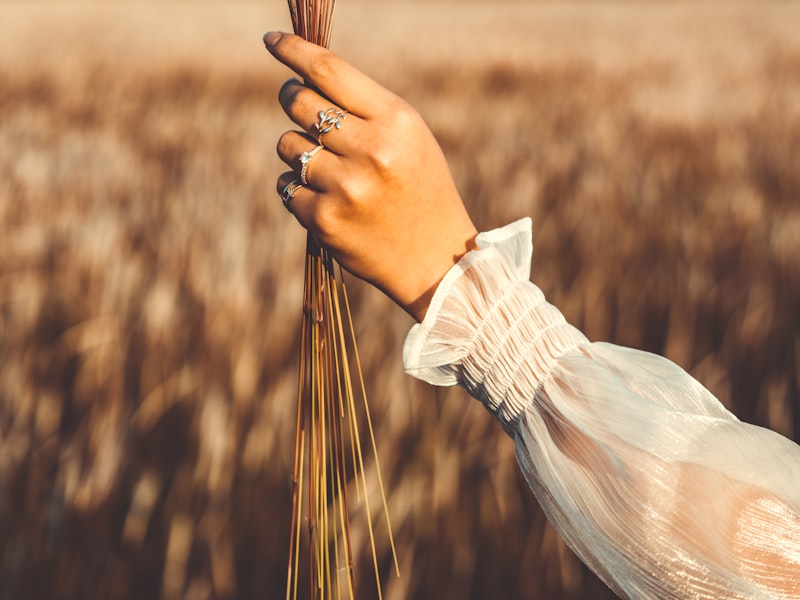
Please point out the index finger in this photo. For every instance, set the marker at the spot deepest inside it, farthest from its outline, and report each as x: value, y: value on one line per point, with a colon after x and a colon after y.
x: 333, y: 77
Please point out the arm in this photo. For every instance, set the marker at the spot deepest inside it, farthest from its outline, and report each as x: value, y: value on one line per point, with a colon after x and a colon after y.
x: 650, y: 480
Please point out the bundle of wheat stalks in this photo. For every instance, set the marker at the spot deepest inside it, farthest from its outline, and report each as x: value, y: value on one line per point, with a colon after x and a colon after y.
x: 328, y: 446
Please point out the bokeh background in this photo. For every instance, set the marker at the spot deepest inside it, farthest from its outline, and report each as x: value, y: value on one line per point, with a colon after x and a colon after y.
x: 150, y: 280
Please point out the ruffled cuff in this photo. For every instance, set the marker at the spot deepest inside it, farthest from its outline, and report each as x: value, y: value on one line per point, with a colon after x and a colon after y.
x: 489, y: 329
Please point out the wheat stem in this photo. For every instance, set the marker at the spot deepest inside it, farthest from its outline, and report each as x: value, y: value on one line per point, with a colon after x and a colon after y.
x: 327, y: 405
x: 371, y: 429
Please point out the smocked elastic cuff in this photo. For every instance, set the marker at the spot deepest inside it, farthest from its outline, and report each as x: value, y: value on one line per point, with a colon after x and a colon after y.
x: 489, y: 329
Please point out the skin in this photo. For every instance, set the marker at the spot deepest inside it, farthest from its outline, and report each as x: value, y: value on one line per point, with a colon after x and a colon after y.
x: 380, y: 197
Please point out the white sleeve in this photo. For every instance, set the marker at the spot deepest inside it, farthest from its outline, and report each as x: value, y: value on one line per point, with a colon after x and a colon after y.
x: 649, y: 479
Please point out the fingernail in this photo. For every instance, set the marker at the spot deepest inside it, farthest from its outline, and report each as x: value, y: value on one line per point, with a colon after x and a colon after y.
x: 271, y: 38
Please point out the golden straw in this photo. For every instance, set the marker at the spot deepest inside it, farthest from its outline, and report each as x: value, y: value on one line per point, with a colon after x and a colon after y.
x: 326, y: 406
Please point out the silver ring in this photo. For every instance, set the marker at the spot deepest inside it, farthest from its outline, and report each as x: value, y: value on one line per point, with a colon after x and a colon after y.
x: 305, y: 159
x: 288, y: 192
x: 328, y: 119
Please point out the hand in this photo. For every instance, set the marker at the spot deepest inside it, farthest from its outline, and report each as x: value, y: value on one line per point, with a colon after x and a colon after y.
x: 380, y: 196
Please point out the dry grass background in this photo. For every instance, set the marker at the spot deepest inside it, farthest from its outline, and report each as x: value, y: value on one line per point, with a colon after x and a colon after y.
x: 150, y: 280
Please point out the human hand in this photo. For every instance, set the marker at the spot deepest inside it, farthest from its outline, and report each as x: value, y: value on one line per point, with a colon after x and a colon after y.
x: 380, y: 196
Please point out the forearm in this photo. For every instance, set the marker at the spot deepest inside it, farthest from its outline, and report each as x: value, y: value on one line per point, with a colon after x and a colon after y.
x: 643, y: 472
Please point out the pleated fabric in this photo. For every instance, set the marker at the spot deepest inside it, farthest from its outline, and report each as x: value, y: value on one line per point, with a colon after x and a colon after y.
x: 656, y: 486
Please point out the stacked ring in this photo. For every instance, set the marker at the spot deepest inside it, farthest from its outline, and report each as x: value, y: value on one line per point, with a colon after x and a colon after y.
x: 305, y: 159
x: 288, y: 192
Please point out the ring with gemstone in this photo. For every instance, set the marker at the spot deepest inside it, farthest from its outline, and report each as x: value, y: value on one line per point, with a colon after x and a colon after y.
x: 305, y: 160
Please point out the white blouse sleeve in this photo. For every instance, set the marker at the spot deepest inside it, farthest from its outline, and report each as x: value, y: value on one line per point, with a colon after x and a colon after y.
x: 656, y: 486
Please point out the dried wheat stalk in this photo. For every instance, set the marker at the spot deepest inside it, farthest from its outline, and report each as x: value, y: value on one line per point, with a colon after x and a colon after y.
x: 328, y: 446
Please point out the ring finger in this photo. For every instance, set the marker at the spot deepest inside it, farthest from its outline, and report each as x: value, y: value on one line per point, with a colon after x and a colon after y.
x: 313, y: 163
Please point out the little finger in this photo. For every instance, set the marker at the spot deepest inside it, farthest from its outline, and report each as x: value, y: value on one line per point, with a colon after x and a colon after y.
x: 296, y: 197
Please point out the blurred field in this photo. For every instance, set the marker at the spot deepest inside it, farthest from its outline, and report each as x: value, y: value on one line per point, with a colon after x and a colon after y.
x: 150, y: 280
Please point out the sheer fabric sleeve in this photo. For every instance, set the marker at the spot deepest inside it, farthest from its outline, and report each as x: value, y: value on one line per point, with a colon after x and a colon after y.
x: 657, y: 487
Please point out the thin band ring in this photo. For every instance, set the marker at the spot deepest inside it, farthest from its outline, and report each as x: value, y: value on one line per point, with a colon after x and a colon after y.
x: 328, y: 119
x: 305, y: 160
x: 288, y: 192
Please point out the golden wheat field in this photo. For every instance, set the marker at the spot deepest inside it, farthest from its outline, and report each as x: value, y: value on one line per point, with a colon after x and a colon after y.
x: 151, y: 281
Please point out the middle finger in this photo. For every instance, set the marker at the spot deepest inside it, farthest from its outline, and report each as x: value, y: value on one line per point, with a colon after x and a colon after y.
x: 304, y: 106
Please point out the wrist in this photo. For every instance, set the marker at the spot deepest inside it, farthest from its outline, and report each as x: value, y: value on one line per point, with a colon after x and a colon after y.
x: 418, y: 297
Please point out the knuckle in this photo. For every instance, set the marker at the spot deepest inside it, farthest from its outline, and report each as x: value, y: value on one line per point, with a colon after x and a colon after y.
x: 355, y: 191
x: 324, y: 67
x: 282, y: 147
x: 326, y: 220
x: 385, y: 154
x: 287, y: 44
x: 402, y: 114
x: 288, y: 91
x: 384, y: 159
x: 287, y: 146
x: 386, y: 151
